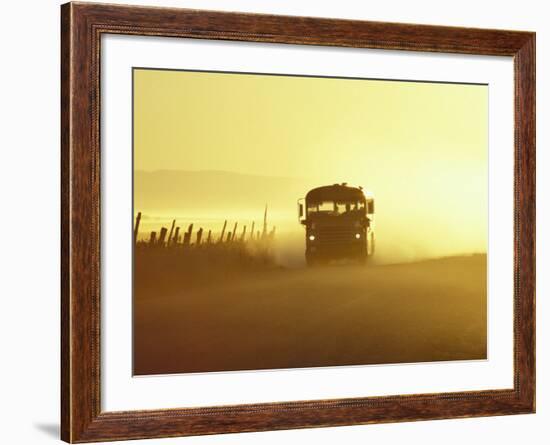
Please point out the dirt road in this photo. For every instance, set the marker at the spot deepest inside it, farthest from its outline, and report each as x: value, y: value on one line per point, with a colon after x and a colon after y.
x: 336, y: 315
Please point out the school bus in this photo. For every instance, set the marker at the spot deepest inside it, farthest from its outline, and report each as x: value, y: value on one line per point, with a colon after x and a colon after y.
x: 339, y: 224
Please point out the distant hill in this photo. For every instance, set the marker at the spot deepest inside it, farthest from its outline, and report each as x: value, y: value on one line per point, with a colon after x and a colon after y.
x: 215, y: 191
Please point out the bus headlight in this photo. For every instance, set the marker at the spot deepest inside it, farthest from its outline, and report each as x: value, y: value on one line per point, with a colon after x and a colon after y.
x: 312, y: 237
x: 357, y: 235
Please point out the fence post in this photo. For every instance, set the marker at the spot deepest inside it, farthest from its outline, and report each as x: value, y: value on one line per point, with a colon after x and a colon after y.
x: 176, y: 236
x: 209, y: 238
x: 171, y: 232
x: 187, y: 235
x: 136, y: 228
x: 153, y: 238
x: 252, y: 231
x: 234, y: 232
x: 264, y: 231
x: 190, y: 230
x: 223, y: 231
x: 243, y: 234
x: 199, y: 236
x: 162, y: 236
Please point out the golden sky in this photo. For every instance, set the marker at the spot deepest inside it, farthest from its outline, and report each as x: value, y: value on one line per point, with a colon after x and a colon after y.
x: 420, y: 147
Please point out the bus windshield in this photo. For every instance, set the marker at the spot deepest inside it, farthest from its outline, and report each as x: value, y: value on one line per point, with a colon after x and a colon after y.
x: 330, y: 207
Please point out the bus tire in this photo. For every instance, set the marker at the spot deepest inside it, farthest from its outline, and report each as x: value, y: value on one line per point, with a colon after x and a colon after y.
x: 371, y: 245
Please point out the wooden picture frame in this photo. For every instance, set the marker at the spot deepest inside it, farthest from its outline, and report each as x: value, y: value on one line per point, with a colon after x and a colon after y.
x: 82, y: 25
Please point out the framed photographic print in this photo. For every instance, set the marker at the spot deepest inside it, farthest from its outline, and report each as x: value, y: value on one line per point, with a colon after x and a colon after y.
x: 276, y: 222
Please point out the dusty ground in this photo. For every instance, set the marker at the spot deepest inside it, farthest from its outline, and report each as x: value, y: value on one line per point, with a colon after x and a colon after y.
x: 336, y: 315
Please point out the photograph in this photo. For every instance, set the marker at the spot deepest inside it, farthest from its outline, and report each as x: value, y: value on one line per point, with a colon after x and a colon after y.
x: 295, y: 221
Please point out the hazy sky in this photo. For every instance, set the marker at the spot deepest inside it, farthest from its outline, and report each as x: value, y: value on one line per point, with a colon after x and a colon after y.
x: 420, y: 147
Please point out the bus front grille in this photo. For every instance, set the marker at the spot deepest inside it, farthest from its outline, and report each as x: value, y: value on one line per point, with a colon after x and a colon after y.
x: 336, y: 235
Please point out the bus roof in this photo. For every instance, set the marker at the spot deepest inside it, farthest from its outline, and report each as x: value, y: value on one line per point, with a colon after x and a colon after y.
x: 338, y: 192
